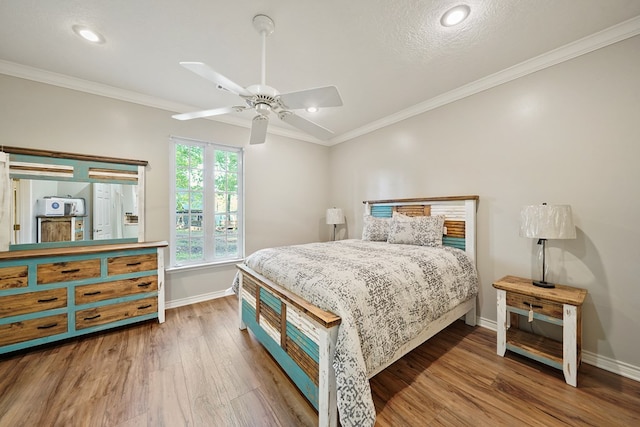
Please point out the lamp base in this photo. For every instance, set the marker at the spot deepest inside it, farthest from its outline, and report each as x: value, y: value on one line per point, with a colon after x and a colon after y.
x: 543, y: 284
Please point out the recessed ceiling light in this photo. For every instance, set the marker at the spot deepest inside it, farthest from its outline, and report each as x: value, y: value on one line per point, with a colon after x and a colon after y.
x: 455, y: 15
x: 312, y: 109
x: 88, y: 34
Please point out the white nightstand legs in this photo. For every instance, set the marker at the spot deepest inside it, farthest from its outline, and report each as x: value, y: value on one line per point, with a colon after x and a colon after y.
x: 503, y: 324
x: 570, y: 345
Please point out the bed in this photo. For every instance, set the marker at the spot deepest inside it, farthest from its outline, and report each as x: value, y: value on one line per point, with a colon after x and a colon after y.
x: 335, y: 314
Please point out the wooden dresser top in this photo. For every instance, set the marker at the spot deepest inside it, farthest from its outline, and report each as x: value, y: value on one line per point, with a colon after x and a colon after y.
x: 76, y: 250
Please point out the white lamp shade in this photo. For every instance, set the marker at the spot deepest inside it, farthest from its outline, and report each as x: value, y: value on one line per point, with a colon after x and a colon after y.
x: 547, y: 222
x: 335, y: 216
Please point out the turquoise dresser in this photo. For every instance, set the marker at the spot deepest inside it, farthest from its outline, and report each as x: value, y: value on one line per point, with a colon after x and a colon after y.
x: 53, y: 294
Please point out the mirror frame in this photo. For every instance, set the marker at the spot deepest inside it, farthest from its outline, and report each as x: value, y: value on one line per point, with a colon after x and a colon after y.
x: 26, y: 163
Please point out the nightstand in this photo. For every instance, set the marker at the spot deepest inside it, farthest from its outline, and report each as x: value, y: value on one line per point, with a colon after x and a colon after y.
x: 561, y: 305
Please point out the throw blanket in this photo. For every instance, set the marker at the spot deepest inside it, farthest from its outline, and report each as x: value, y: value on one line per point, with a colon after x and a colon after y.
x: 385, y: 294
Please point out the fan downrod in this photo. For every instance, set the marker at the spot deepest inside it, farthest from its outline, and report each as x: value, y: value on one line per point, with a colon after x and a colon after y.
x: 263, y: 24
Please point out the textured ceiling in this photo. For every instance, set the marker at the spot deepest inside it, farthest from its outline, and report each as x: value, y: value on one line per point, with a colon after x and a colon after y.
x: 384, y: 56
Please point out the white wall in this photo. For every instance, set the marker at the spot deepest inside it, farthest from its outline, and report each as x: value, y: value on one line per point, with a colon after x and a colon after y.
x: 286, y: 180
x: 566, y: 134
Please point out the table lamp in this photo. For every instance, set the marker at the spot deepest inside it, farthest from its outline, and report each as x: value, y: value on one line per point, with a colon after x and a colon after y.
x: 544, y: 222
x: 334, y: 217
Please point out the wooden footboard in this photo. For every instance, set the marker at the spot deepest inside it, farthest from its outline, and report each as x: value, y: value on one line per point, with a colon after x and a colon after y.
x: 300, y: 336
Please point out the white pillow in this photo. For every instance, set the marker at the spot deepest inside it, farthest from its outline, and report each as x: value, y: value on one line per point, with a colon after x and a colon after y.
x: 375, y: 229
x: 417, y: 230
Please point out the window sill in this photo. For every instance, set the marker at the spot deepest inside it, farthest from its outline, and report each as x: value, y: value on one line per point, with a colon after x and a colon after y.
x: 181, y: 268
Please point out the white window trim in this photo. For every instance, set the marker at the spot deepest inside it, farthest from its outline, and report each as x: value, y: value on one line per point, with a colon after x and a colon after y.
x: 209, y: 201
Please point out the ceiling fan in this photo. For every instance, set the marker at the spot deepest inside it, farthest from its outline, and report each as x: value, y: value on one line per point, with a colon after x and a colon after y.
x: 265, y: 99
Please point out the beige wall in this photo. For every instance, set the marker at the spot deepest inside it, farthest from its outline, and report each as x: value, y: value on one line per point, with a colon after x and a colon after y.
x: 286, y: 180
x: 566, y: 134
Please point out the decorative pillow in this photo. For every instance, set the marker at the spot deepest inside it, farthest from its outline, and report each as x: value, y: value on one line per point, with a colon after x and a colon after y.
x: 375, y: 229
x: 417, y: 230
x: 401, y: 217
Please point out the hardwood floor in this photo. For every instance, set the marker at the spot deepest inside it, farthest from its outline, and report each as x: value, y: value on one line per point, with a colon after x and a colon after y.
x: 198, y: 369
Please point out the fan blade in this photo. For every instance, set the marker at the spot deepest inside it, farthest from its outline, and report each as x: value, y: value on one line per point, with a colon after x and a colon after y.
x: 208, y: 113
x: 259, y: 129
x: 305, y: 125
x: 320, y: 97
x: 203, y: 70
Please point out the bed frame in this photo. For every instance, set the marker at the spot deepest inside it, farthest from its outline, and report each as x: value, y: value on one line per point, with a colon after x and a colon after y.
x: 302, y: 337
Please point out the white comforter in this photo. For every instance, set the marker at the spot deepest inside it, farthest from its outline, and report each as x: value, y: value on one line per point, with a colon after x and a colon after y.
x: 385, y: 294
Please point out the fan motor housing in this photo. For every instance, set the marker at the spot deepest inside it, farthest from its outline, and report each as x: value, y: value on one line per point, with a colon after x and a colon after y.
x: 263, y: 90
x: 264, y: 100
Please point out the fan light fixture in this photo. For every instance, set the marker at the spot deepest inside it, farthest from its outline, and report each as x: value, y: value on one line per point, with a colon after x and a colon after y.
x: 265, y: 99
x: 455, y: 15
x: 88, y: 34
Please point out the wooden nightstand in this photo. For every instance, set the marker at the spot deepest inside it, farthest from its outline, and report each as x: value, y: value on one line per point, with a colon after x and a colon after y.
x: 561, y: 305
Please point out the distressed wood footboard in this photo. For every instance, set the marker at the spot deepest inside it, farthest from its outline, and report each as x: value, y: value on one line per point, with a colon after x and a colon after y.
x: 300, y: 336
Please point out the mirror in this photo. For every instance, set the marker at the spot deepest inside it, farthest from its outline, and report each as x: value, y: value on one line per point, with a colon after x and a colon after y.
x: 51, y: 199
x: 59, y: 211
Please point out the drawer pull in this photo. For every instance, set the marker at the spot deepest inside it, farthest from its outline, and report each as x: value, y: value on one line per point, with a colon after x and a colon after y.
x: 88, y: 294
x: 131, y: 264
x: 142, y: 307
x: 144, y: 285
x: 75, y: 270
x: 532, y: 305
x: 48, y: 299
x: 92, y: 317
x: 48, y: 326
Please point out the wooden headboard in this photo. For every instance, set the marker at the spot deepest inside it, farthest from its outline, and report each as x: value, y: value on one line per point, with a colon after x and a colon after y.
x: 459, y: 213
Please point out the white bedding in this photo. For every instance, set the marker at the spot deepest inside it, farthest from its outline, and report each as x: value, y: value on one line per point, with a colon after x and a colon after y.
x: 385, y: 294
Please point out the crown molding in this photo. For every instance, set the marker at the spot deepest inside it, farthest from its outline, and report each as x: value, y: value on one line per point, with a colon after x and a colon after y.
x: 606, y: 37
x: 74, y: 83
x: 69, y: 82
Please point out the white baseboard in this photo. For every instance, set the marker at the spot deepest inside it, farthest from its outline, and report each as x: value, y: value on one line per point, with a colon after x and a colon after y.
x: 621, y: 368
x: 486, y: 323
x: 197, y: 298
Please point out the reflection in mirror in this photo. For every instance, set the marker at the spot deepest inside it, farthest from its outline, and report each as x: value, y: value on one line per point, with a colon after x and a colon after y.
x: 58, y: 211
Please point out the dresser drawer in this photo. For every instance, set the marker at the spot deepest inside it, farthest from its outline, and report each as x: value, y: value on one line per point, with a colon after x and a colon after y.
x: 538, y: 305
x: 32, y: 302
x: 114, y: 312
x: 132, y: 264
x: 67, y: 271
x: 14, y: 277
x: 120, y: 288
x: 27, y: 330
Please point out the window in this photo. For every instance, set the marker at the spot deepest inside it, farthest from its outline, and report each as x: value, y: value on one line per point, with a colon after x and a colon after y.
x: 206, y: 206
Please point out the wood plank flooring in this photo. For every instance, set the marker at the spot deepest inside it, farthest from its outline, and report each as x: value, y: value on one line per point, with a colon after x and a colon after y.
x: 198, y: 369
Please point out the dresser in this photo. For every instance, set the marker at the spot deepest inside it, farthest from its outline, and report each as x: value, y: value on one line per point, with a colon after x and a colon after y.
x: 53, y: 294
